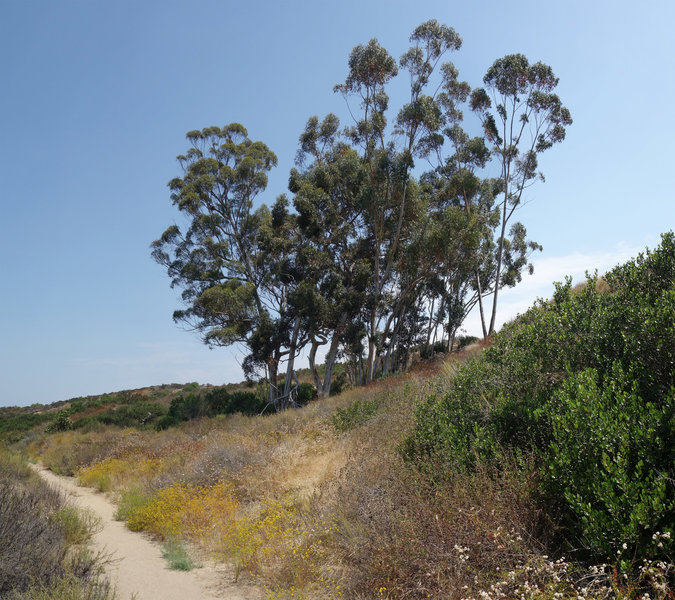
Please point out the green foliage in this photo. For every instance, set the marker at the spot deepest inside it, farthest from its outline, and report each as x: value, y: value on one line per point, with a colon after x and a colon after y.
x: 62, y: 422
x: 585, y: 383
x: 214, y: 402
x: 222, y: 402
x: 357, y: 413
x: 131, y: 500
x: 462, y: 341
x: 179, y: 559
x: 610, y: 458
x: 22, y: 422
x: 307, y: 392
x: 136, y: 414
x: 78, y: 525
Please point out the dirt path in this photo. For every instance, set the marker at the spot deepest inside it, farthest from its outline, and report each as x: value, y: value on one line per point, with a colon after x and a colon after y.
x: 138, y: 569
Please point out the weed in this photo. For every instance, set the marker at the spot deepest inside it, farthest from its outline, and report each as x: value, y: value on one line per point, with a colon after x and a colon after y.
x: 357, y: 413
x: 179, y: 559
x: 78, y: 525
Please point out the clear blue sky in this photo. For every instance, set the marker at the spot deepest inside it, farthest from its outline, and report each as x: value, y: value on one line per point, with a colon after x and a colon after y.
x: 96, y: 98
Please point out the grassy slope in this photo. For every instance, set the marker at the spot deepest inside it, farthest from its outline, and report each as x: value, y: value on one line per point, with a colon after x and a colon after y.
x: 315, y: 502
x: 318, y: 503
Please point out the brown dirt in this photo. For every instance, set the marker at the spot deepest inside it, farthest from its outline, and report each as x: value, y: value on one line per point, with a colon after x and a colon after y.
x: 137, y: 568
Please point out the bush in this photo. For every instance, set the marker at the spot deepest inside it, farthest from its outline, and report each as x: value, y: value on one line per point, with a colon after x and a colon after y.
x: 306, y: 393
x: 357, y: 413
x: 135, y: 414
x: 609, y: 460
x: 37, y: 531
x: 462, y: 341
x: 62, y: 422
x: 585, y: 383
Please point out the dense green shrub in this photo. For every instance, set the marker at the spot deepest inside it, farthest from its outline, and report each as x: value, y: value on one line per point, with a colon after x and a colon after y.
x: 306, y: 393
x: 222, y: 402
x: 62, y: 422
x: 585, y: 383
x: 190, y: 406
x: 611, y: 459
x: 22, y: 422
x: 132, y: 415
x: 215, y: 402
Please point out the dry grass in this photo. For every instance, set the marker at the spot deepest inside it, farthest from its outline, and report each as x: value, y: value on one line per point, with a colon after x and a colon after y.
x: 43, y: 540
x: 311, y: 510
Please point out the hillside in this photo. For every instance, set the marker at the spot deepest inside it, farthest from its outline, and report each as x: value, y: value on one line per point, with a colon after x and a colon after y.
x: 540, y: 466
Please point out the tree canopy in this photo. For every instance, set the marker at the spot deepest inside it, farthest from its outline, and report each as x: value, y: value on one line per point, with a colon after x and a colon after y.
x: 372, y: 255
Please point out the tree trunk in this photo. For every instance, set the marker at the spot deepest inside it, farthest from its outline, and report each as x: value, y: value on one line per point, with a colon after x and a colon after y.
x: 431, y: 324
x: 372, y: 348
x: 291, y: 356
x: 499, y: 269
x: 312, y: 364
x: 332, y: 355
x: 272, y: 367
x: 479, y: 286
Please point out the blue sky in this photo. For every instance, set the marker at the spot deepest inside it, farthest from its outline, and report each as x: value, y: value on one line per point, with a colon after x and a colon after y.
x: 96, y: 98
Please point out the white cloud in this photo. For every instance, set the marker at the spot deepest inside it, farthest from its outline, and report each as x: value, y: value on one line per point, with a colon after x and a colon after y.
x: 515, y: 301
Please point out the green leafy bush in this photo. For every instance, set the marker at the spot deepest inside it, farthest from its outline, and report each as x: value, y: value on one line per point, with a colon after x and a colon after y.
x: 584, y: 383
x: 62, y: 422
x: 306, y: 393
x: 132, y: 415
x: 357, y: 413
x: 610, y: 458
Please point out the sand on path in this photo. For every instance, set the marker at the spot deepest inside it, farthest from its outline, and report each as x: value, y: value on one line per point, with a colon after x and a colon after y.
x: 137, y: 568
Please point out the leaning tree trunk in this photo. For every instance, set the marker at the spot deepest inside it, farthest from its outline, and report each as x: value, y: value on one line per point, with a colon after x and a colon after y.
x: 291, y: 357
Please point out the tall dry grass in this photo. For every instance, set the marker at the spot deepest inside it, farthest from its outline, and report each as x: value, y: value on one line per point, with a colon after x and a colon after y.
x: 43, y: 550
x: 317, y: 503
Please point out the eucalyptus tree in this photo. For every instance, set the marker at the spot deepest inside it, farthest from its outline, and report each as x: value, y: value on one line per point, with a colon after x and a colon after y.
x: 390, y: 206
x: 334, y: 265
x: 234, y: 281
x: 521, y: 118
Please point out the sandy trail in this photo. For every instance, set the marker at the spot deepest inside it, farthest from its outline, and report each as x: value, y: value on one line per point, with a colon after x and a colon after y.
x: 137, y: 568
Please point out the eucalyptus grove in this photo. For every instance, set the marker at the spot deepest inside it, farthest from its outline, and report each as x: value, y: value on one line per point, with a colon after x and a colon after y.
x: 376, y: 253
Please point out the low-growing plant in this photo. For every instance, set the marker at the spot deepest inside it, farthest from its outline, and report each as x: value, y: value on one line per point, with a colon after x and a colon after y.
x: 68, y: 587
x: 177, y: 555
x: 357, y: 413
x: 39, y: 536
x: 78, y: 525
x: 131, y: 501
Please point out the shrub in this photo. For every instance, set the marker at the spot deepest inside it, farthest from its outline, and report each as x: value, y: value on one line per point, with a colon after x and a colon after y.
x: 62, y: 422
x: 37, y: 531
x: 184, y: 510
x: 608, y: 458
x: 135, y: 414
x: 355, y: 414
x: 584, y: 382
x: 462, y: 341
x: 306, y: 393
x: 191, y: 406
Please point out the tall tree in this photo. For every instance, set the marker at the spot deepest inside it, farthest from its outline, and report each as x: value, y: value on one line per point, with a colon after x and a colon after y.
x: 327, y: 195
x: 522, y: 118
x: 389, y: 204
x: 232, y: 291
